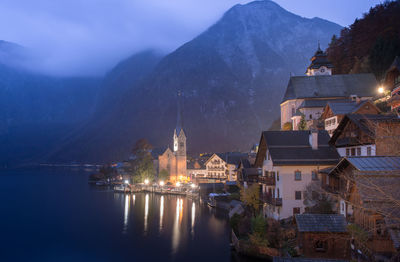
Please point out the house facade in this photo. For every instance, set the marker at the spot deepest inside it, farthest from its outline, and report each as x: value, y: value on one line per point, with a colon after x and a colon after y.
x: 367, y: 194
x: 290, y: 161
x: 323, y: 236
x: 334, y: 112
x: 367, y: 135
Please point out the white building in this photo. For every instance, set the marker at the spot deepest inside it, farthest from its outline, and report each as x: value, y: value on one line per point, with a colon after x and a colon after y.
x: 291, y: 160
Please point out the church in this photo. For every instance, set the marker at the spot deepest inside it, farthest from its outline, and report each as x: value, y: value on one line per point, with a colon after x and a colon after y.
x: 175, y: 161
x: 306, y: 96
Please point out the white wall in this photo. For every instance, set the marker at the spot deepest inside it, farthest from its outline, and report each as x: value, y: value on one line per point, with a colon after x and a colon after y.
x: 364, y: 150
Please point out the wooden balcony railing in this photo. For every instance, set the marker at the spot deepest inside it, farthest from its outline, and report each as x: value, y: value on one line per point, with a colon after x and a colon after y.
x: 267, y: 198
x: 269, y: 181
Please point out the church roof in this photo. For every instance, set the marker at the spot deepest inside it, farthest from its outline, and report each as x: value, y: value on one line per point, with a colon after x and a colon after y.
x: 329, y: 86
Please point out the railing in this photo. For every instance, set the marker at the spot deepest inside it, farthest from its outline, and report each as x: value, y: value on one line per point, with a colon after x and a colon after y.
x: 267, y: 198
x: 215, y: 169
x: 270, y: 181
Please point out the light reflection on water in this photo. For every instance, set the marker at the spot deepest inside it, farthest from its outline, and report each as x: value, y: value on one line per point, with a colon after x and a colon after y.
x: 146, y: 213
x: 161, y: 212
x: 126, y: 213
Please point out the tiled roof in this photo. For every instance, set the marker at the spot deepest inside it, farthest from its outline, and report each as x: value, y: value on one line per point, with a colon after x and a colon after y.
x: 326, y: 86
x: 293, y: 148
x: 375, y: 163
x: 321, y: 223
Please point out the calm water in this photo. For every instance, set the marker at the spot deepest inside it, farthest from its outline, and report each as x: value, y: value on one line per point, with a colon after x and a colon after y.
x: 54, y: 215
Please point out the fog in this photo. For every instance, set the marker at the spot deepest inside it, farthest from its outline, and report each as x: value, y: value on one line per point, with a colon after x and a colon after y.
x: 88, y: 37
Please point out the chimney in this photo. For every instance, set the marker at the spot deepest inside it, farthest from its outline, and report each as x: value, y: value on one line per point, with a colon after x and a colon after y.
x: 314, y: 139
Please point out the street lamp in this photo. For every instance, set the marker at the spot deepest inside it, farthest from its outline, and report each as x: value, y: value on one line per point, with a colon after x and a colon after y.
x: 381, y: 90
x: 161, y: 183
x: 127, y: 182
x: 146, y: 181
x: 178, y: 184
x: 193, y: 185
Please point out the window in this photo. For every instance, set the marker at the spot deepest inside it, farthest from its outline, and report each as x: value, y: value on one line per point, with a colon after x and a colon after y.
x: 297, y: 195
x: 358, y: 151
x: 310, y: 116
x: 278, y: 193
x: 269, y: 155
x: 277, y: 175
x: 314, y: 175
x: 320, y: 246
x: 266, y: 173
x: 297, y: 175
x: 296, y: 210
x: 293, y: 111
x: 353, y: 152
x: 347, y: 151
x: 368, y: 151
x: 333, y: 121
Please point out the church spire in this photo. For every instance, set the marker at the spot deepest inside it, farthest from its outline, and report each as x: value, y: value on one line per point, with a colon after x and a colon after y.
x: 179, y: 116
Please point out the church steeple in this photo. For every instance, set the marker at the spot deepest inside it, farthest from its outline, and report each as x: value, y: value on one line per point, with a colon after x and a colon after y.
x: 178, y: 116
x: 320, y: 65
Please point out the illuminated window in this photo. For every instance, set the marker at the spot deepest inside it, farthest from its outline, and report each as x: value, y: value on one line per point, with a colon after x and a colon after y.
x: 314, y: 175
x: 369, y: 151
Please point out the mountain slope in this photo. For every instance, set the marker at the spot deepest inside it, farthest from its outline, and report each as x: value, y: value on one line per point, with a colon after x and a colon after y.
x: 232, y: 78
x: 36, y: 110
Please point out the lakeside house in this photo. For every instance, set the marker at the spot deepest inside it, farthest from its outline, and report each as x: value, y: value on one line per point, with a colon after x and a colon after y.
x: 291, y: 160
x: 367, y: 193
x: 323, y: 236
x: 308, y: 95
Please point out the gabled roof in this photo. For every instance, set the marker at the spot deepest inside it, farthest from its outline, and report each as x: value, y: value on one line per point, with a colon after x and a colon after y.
x: 313, y: 103
x: 327, y: 86
x: 395, y: 65
x: 232, y: 158
x: 364, y: 122
x: 321, y: 223
x: 293, y: 148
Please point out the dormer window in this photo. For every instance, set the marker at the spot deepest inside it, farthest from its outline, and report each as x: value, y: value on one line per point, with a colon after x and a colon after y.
x: 322, y: 70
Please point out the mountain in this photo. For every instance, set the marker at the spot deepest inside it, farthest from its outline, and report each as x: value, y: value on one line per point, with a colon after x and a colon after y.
x: 37, y: 110
x: 232, y: 78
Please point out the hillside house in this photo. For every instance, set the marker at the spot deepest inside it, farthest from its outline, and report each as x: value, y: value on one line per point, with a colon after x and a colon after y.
x: 392, y: 83
x: 334, y: 112
x: 367, y: 135
x: 290, y: 161
x: 367, y: 190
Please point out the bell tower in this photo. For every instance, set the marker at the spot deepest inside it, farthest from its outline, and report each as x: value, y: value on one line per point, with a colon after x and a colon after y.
x: 320, y: 65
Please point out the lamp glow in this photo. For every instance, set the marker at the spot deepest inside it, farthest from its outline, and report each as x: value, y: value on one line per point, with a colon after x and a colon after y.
x: 193, y: 185
x: 381, y: 90
x: 146, y: 181
x: 178, y: 184
x: 127, y: 182
x: 161, y: 183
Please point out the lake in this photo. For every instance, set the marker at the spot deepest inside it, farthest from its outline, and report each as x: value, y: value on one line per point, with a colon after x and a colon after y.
x: 55, y: 215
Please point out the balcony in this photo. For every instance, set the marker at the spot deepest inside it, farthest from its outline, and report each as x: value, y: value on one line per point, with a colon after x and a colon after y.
x: 267, y: 198
x: 269, y: 181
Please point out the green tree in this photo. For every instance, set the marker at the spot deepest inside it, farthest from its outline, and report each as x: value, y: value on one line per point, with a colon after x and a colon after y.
x: 163, y: 175
x: 303, y: 123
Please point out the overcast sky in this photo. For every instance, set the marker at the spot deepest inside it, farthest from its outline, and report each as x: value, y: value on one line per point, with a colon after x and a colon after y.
x: 89, y: 36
